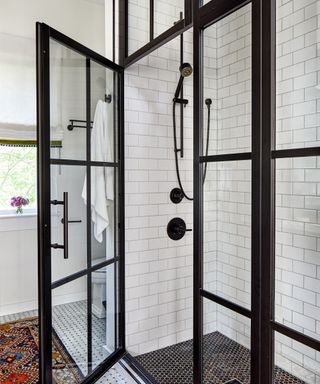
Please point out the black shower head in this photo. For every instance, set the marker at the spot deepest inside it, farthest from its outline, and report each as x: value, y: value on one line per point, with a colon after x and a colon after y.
x: 185, y: 69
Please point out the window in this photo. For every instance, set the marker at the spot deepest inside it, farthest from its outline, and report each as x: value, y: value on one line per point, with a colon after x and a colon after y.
x: 18, y: 177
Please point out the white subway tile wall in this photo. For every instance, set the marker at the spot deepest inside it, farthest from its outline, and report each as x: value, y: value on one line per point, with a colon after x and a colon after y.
x: 227, y: 231
x: 298, y: 258
x: 138, y: 24
x: 298, y: 89
x: 227, y: 80
x: 167, y: 13
x: 294, y: 357
x: 297, y: 185
x: 227, y: 188
x: 158, y: 270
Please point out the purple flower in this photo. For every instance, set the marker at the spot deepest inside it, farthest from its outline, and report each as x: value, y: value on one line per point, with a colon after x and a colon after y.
x: 18, y: 202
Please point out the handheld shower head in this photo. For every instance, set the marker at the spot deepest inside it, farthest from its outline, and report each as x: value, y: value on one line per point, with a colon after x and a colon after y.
x: 185, y: 69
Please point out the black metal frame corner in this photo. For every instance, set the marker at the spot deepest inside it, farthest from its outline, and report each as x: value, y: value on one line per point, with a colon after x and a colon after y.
x: 154, y: 42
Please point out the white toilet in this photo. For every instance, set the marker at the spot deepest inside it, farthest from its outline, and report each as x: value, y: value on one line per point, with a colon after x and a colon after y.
x: 99, y: 280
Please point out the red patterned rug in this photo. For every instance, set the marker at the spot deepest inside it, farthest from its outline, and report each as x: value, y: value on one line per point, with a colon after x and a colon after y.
x: 19, y: 355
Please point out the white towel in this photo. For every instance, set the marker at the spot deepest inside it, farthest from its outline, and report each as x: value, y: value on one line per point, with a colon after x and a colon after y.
x: 102, y: 188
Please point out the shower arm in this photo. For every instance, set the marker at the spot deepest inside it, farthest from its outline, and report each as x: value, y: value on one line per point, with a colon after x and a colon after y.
x: 178, y: 99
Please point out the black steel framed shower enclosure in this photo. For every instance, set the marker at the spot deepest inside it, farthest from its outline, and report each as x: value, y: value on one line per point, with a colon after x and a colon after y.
x: 262, y: 156
x: 45, y: 34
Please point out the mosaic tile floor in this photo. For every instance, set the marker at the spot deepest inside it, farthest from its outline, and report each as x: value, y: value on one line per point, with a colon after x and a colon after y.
x: 113, y: 376
x: 225, y: 361
x: 70, y: 323
x: 171, y: 365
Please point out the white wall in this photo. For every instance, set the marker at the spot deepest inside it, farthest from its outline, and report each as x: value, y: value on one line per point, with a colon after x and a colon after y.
x: 83, y: 20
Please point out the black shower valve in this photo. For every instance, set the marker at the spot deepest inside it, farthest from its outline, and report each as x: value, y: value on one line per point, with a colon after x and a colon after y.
x: 176, y: 195
x: 177, y: 228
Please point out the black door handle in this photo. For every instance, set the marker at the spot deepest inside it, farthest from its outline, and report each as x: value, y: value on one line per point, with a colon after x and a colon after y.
x: 65, y: 221
x: 71, y: 221
x: 66, y: 224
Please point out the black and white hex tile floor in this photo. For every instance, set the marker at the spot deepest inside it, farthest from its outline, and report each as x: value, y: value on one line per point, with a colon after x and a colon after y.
x: 225, y: 362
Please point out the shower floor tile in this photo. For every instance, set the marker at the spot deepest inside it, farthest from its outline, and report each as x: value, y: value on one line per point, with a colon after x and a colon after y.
x: 225, y: 361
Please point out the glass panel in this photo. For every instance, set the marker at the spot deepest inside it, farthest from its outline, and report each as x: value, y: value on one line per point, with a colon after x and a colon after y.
x: 71, y: 179
x: 166, y: 13
x: 295, y: 362
x: 298, y: 90
x: 227, y: 230
x: 118, y: 374
x: 67, y: 102
x: 102, y: 113
x: 103, y: 215
x: 69, y: 335
x: 104, y: 312
x: 298, y: 244
x: 226, y: 345
x: 138, y: 24
x: 227, y: 84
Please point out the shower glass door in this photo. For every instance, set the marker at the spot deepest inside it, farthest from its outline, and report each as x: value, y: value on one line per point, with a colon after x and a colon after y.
x: 223, y: 197
x: 81, y: 271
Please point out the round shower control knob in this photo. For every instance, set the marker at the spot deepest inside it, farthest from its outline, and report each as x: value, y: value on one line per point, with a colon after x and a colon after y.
x: 177, y: 228
x: 176, y: 195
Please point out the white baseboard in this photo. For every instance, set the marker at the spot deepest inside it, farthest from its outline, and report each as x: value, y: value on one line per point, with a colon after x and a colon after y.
x: 11, y: 309
x: 32, y: 305
x: 69, y: 298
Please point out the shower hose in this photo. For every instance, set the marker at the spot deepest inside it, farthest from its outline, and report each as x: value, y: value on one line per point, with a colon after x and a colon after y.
x: 176, y: 147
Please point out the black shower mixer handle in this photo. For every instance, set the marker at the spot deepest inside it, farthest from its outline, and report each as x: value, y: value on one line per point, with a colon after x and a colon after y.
x: 177, y: 228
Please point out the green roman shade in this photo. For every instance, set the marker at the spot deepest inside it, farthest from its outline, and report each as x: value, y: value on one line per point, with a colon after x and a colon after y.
x: 17, y: 135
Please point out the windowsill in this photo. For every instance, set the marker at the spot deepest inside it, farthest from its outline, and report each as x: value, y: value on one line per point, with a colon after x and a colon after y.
x: 17, y: 216
x: 18, y: 222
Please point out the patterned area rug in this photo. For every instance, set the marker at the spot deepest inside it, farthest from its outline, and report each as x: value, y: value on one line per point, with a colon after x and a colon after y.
x: 19, y: 355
